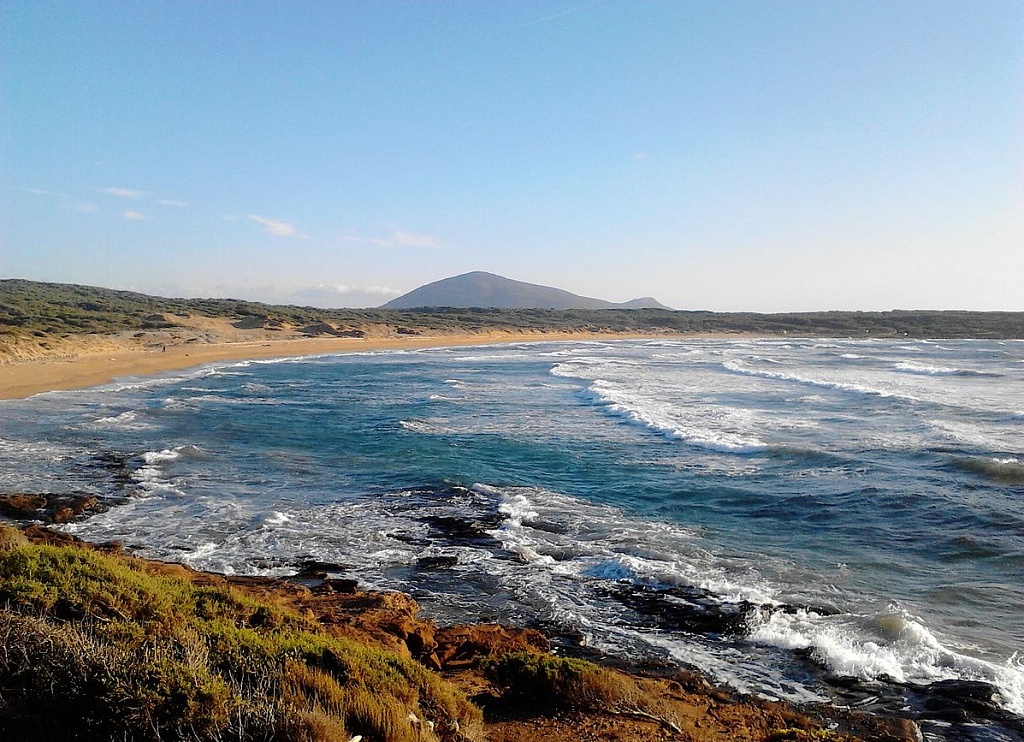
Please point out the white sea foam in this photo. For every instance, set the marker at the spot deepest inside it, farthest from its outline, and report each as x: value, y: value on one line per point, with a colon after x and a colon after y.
x: 914, y: 368
x: 925, y: 370
x: 128, y: 420
x: 712, y: 426
x: 878, y: 390
x: 585, y: 540
x: 158, y: 457
x: 996, y: 438
x: 425, y: 426
x: 277, y: 518
x: 151, y: 478
x: 135, y: 383
x: 892, y: 643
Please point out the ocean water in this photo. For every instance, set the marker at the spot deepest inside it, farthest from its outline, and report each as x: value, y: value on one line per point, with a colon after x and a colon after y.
x: 778, y: 513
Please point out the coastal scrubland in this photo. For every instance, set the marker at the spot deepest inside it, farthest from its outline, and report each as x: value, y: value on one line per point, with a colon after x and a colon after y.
x: 97, y: 644
x: 32, y: 309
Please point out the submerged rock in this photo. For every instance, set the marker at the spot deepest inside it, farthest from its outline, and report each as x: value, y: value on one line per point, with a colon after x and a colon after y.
x: 49, y: 508
x: 464, y: 532
x: 691, y: 610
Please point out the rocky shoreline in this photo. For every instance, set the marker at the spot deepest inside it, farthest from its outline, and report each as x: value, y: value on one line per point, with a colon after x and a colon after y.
x: 689, y: 707
x: 869, y: 710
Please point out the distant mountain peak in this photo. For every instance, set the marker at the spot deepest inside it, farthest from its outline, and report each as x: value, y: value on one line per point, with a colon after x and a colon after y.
x: 480, y: 289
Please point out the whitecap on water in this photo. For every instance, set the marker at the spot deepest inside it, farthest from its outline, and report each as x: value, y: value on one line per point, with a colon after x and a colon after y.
x: 128, y: 420
x: 425, y: 426
x: 713, y: 426
x: 889, y: 644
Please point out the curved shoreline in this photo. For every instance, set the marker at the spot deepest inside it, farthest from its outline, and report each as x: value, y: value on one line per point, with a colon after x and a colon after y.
x: 200, y: 350
x: 85, y: 366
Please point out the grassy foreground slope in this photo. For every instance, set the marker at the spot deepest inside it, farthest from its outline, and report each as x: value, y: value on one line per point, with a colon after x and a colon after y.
x: 100, y: 647
x: 29, y: 308
x: 96, y: 645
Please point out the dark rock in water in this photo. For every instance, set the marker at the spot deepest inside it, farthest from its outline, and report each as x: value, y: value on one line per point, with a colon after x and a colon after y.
x: 464, y: 532
x: 315, y: 570
x: 22, y: 506
x: 408, y: 538
x: 963, y: 702
x: 966, y: 691
x: 691, y: 610
x: 548, y: 526
x: 119, y: 465
x: 49, y: 508
x: 316, y: 576
x: 437, y: 562
x: 345, y: 586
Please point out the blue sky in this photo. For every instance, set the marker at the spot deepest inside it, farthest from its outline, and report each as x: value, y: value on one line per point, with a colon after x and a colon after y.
x: 766, y: 156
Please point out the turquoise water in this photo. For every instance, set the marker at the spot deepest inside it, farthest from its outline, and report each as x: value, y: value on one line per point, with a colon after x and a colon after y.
x: 860, y: 504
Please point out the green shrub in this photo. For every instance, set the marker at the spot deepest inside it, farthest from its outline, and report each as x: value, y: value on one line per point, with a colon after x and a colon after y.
x: 547, y: 680
x: 96, y: 647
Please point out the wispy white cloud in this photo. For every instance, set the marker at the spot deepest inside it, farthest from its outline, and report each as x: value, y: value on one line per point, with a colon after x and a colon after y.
x: 366, y: 240
x: 338, y: 295
x: 123, y: 192
x: 342, y: 288
x: 274, y: 227
x: 42, y: 192
x: 398, y: 238
x: 134, y: 216
x: 411, y: 239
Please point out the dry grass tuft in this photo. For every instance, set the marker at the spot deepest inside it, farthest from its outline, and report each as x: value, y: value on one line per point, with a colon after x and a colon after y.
x: 11, y: 538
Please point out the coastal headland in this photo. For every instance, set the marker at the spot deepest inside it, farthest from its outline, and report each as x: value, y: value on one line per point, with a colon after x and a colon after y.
x: 138, y: 646
x: 167, y: 641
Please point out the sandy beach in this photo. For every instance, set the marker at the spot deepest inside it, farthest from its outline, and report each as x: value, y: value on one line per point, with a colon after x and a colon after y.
x: 91, y: 360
